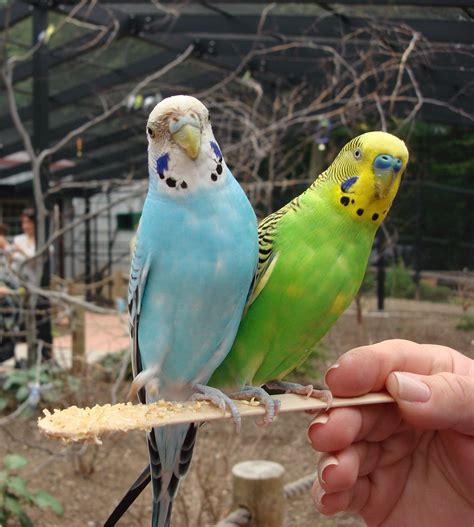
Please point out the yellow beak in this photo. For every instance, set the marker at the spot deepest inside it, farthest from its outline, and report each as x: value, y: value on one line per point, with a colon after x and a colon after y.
x: 188, y: 137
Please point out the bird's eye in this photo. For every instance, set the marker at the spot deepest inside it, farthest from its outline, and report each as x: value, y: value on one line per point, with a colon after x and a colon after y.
x: 150, y: 132
x: 357, y: 153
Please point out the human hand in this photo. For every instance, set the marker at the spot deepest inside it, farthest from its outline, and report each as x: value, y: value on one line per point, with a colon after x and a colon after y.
x: 409, y: 463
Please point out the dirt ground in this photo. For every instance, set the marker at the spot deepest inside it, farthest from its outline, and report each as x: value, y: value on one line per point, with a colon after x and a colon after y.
x: 89, y: 481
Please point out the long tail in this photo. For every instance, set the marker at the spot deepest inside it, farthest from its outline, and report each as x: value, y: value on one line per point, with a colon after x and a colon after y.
x: 132, y: 494
x: 171, y: 450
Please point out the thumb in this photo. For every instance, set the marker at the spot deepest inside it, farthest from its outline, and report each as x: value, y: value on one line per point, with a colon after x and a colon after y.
x: 436, y: 402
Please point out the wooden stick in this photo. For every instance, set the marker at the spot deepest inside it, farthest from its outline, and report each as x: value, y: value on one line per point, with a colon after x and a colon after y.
x: 89, y: 424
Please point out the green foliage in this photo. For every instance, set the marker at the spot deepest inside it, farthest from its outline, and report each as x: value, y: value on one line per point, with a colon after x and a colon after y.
x: 111, y: 364
x: 399, y: 282
x: 434, y: 293
x: 311, y: 369
x: 15, y: 495
x: 368, y: 283
x: 15, y: 386
x: 466, y: 323
x: 14, y: 461
x: 439, y: 155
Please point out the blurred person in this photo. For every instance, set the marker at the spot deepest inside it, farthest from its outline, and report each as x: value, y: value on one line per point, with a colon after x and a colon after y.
x: 409, y: 463
x: 5, y: 248
x: 24, y: 246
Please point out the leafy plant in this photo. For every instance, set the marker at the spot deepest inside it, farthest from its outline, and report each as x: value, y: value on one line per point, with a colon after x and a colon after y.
x: 434, y: 293
x: 15, y: 495
x: 466, y: 323
x: 111, y: 364
x: 399, y: 282
x: 368, y: 285
x: 17, y: 386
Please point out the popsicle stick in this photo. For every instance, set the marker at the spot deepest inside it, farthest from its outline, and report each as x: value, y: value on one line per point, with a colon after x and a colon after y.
x: 89, y: 424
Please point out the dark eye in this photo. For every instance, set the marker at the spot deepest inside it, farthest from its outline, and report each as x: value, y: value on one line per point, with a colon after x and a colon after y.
x: 150, y: 132
x: 357, y: 153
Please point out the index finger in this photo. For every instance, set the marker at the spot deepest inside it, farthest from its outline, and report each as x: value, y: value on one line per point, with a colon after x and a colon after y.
x: 365, y: 369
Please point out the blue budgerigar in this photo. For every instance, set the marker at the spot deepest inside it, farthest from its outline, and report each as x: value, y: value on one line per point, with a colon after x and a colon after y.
x: 195, y: 255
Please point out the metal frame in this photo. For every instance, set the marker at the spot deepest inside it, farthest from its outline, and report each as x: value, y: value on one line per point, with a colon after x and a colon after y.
x: 209, y: 33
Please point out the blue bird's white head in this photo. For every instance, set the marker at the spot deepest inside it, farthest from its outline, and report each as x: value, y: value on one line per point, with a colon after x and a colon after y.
x: 183, y: 155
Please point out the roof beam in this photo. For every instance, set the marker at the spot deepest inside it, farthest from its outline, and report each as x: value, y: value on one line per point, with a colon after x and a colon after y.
x: 13, y: 13
x: 67, y: 51
x: 428, y: 3
x: 98, y: 161
x: 92, y: 87
x: 240, y: 26
x: 89, y: 146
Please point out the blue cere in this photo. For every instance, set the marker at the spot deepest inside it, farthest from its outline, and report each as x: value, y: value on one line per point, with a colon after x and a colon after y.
x: 397, y: 164
x: 384, y: 162
x: 216, y: 149
x: 162, y: 163
x: 347, y: 184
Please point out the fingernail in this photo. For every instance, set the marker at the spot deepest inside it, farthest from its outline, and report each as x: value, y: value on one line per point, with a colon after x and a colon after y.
x: 319, y: 495
x: 411, y: 389
x: 320, y: 419
x: 333, y: 367
x: 326, y: 461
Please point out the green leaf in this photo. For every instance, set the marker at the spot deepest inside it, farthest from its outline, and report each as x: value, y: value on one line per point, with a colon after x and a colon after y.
x: 3, y: 477
x: 14, y: 461
x: 22, y: 393
x: 44, y: 500
x: 18, y: 486
x: 3, y: 403
x: 13, y: 505
x: 25, y: 520
x: 15, y: 378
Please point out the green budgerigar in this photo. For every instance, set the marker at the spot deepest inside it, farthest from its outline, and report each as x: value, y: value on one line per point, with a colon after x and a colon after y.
x: 312, y: 260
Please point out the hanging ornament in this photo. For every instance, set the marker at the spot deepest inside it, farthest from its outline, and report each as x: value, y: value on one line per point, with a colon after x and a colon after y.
x: 79, y: 147
x: 321, y: 136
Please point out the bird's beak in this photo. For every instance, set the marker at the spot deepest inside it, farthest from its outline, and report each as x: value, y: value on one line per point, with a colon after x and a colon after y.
x: 386, y: 169
x: 186, y: 132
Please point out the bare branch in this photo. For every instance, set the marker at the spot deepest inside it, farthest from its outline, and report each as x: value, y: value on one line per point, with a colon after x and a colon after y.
x: 103, y: 116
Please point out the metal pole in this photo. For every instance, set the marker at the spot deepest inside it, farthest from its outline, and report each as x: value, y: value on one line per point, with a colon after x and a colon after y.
x: 109, y: 242
x: 87, y: 246
x: 418, y: 233
x: 380, y: 272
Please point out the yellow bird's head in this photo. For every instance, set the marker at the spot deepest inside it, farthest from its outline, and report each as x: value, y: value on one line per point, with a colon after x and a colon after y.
x: 367, y: 173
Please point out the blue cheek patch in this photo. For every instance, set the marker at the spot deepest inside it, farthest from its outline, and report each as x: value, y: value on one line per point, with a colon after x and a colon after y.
x: 162, y: 163
x: 217, y: 150
x: 347, y: 184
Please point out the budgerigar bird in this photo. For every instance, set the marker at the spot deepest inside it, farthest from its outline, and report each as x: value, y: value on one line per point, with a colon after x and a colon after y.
x: 313, y: 254
x: 194, y: 260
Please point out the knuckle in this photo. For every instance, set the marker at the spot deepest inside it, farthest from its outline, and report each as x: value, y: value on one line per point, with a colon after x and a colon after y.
x: 455, y: 388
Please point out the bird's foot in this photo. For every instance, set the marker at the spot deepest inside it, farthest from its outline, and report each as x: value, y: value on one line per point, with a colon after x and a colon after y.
x: 219, y: 399
x: 248, y: 393
x: 300, y: 389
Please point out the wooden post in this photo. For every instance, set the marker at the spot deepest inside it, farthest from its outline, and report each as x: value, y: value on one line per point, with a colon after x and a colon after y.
x: 78, y: 326
x: 258, y: 486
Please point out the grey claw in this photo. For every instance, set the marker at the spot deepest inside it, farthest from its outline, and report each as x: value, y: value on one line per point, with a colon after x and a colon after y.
x: 254, y: 392
x: 219, y: 399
